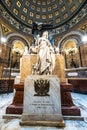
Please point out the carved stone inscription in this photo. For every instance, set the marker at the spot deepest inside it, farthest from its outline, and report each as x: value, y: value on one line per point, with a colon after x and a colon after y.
x: 42, y: 95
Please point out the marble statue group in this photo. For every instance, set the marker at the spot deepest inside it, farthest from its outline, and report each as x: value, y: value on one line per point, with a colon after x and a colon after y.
x: 46, y: 56
x: 46, y: 60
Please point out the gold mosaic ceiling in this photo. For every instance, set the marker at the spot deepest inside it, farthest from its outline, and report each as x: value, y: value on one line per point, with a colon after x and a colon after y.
x: 55, y: 12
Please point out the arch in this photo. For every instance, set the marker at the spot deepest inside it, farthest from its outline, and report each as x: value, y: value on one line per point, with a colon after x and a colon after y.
x: 18, y: 36
x: 75, y: 35
x: 70, y: 40
x: 71, y: 43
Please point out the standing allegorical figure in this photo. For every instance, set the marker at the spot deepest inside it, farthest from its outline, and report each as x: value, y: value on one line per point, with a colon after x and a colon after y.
x: 46, y: 60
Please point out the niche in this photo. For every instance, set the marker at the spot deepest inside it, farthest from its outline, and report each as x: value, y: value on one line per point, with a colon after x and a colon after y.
x: 71, y: 53
x: 17, y: 51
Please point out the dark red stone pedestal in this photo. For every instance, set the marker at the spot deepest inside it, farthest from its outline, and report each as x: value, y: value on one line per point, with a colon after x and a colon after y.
x: 17, y: 106
x: 68, y: 108
x: 79, y: 84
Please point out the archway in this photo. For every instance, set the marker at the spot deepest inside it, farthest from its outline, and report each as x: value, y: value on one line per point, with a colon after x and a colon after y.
x: 69, y: 46
x: 71, y: 53
x: 16, y: 44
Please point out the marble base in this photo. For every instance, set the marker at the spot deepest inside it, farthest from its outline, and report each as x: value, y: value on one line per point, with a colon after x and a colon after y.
x: 43, y: 123
x: 67, y: 105
x: 79, y: 84
x: 42, y: 101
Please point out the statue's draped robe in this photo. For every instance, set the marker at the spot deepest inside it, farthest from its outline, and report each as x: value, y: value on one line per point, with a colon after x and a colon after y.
x: 46, y: 56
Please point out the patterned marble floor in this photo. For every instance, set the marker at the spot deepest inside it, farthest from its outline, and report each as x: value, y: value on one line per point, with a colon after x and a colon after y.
x: 13, y: 124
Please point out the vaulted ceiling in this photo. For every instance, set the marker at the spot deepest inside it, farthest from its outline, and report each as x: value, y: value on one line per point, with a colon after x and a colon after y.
x: 51, y: 12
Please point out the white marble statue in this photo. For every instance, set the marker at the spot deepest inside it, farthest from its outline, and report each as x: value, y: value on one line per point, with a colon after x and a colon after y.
x: 26, y: 51
x: 46, y: 60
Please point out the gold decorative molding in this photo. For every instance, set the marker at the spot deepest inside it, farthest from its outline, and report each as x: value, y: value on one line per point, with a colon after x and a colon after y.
x: 84, y: 27
x: 5, y: 29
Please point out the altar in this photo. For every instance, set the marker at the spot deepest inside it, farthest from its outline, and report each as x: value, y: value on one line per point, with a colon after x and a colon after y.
x: 42, y: 101
x: 27, y: 61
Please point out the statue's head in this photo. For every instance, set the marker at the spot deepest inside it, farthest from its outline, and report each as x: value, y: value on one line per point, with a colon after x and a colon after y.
x: 45, y: 34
